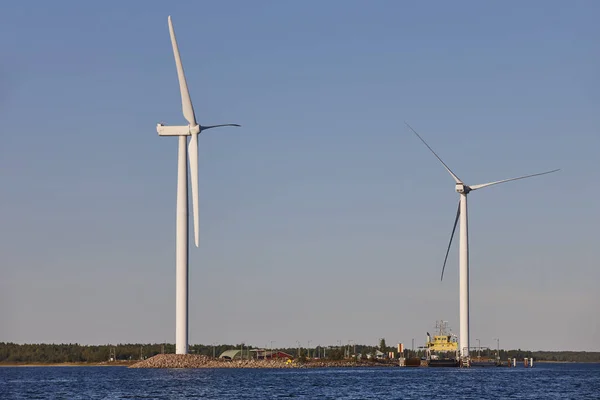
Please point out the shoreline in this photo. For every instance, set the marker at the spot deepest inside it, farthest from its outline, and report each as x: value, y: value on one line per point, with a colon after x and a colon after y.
x: 71, y: 364
x: 217, y: 363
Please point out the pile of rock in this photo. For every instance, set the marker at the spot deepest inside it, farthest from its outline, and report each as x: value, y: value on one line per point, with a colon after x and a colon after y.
x: 344, y: 364
x: 198, y: 361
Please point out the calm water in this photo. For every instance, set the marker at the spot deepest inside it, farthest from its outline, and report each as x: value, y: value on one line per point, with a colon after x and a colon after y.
x: 544, y: 381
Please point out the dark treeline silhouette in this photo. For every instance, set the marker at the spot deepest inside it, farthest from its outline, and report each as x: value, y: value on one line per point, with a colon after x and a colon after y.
x: 76, y: 353
x: 59, y: 353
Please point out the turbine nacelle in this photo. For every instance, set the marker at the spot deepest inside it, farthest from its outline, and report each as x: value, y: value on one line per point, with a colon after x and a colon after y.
x: 185, y: 130
x: 182, y: 130
x: 462, y: 188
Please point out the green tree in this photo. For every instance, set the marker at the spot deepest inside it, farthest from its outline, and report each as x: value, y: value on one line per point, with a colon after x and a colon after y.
x: 335, y: 354
x: 382, y: 346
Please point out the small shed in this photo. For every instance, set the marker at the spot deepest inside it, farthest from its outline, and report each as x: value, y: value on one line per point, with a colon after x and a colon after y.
x: 236, y: 354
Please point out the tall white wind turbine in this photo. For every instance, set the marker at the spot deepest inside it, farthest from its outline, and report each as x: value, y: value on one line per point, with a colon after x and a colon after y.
x: 193, y: 129
x: 461, y: 214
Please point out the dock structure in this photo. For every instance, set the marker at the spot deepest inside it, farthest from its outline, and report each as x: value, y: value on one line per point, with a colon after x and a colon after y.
x: 442, y: 350
x: 458, y: 363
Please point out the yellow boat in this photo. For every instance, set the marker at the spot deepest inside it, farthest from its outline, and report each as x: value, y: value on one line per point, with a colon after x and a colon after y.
x: 443, y: 341
x: 442, y: 351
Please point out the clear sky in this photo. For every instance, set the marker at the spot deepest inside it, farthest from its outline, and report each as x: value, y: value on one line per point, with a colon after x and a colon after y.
x: 323, y: 218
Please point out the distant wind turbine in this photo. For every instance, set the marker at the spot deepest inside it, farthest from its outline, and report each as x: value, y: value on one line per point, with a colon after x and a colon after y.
x: 193, y: 129
x: 461, y: 214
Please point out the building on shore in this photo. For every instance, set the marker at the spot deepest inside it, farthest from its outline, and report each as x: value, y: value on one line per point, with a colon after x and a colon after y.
x: 254, y: 354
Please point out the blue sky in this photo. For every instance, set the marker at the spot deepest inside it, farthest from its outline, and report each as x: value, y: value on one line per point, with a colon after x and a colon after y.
x: 323, y: 218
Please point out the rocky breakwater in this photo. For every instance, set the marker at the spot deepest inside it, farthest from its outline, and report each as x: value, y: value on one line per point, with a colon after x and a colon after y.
x: 346, y: 364
x: 198, y: 361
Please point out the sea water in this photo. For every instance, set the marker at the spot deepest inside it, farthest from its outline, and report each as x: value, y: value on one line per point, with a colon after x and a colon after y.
x: 543, y: 381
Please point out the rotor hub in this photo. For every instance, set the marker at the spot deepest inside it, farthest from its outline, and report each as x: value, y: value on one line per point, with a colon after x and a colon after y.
x: 462, y: 188
x: 195, y: 129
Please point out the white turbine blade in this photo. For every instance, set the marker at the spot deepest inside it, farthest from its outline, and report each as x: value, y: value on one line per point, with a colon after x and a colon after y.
x: 456, y: 178
x: 482, y: 185
x: 186, y: 101
x: 193, y: 153
x: 450, y: 243
x: 203, y: 128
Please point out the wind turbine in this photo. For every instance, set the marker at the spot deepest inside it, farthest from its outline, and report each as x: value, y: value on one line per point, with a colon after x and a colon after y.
x: 193, y: 129
x: 461, y: 214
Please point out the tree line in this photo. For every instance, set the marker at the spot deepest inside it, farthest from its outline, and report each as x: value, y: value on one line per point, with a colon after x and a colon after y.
x: 76, y: 353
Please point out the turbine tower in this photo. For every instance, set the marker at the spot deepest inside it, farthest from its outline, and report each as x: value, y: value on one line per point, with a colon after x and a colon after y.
x: 463, y: 255
x: 193, y: 129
